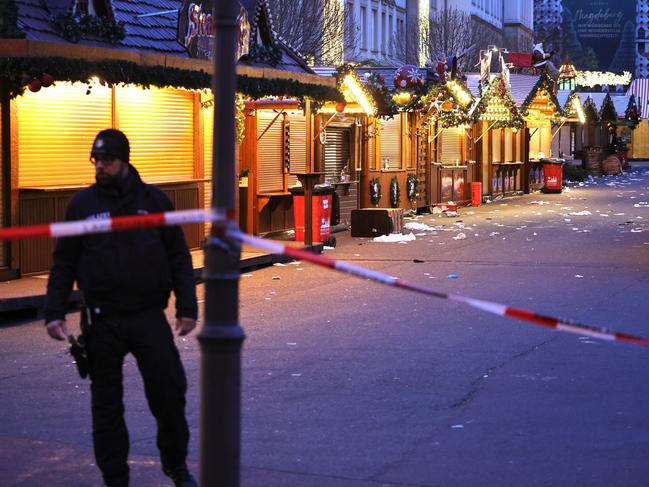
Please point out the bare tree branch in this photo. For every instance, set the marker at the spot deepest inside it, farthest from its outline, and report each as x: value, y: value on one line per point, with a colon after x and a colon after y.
x: 316, y: 28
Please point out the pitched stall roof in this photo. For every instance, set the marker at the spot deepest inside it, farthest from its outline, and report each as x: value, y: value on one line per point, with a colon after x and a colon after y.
x: 621, y: 104
x: 571, y: 106
x: 262, y: 28
x: 562, y: 97
x: 604, y: 106
x: 154, y: 34
x: 524, y: 88
x: 590, y: 107
x: 640, y: 88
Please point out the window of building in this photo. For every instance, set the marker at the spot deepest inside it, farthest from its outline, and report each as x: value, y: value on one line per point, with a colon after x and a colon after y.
x: 384, y: 34
x: 363, y: 27
x: 391, y: 36
x: 375, y: 30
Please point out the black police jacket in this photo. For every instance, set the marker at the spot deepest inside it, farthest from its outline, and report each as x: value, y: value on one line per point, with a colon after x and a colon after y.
x: 122, y: 271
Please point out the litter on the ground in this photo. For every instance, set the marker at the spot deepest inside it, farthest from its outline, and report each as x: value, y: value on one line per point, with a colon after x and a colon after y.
x: 395, y: 237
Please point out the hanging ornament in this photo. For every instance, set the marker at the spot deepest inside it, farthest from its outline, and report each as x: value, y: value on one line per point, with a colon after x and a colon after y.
x: 46, y: 80
x: 34, y: 85
x: 340, y: 106
x: 381, y: 79
x: 408, y: 76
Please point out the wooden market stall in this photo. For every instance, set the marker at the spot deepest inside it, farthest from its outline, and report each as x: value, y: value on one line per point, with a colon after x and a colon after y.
x: 451, y: 167
x: 628, y: 118
x: 564, y: 136
x: 541, y: 109
x: 498, y: 136
x: 341, y: 129
x: 389, y: 141
x: 594, y: 137
x: 49, y: 118
x: 639, y: 88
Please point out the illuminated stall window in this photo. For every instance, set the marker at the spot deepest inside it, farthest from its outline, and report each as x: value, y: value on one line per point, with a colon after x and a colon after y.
x: 56, y: 130
x: 160, y: 126
x: 540, y: 142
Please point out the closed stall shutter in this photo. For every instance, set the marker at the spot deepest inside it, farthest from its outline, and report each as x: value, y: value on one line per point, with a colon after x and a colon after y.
x: 270, y: 153
x: 336, y: 151
x: 509, y: 145
x: 391, y: 142
x: 297, y: 145
x: 208, y: 144
x: 2, y: 205
x: 451, y: 147
x: 56, y: 130
x: 495, y: 145
x: 160, y: 126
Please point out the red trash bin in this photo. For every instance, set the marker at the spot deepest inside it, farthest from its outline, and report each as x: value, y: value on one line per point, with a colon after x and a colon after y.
x: 321, y: 200
x: 476, y: 194
x: 552, y: 175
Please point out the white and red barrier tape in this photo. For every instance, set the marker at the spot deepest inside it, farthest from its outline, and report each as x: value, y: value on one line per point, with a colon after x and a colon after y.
x: 105, y: 225
x: 122, y: 223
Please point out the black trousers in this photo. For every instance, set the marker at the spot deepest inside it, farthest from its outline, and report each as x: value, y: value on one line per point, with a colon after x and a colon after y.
x: 147, y: 335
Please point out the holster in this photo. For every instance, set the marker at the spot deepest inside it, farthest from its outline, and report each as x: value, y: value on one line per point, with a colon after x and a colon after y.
x: 78, y: 346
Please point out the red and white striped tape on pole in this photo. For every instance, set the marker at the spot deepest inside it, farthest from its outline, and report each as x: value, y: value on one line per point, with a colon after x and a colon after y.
x: 76, y: 228
x: 105, y: 225
x: 488, y: 306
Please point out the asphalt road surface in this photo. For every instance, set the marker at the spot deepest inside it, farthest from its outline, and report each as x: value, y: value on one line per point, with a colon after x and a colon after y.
x: 350, y: 383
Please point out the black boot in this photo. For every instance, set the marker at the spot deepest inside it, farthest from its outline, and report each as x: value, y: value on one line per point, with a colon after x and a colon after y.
x: 180, y: 476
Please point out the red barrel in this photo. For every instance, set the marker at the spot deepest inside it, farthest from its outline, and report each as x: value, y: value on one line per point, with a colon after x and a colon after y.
x: 552, y: 176
x: 476, y: 194
x: 320, y: 215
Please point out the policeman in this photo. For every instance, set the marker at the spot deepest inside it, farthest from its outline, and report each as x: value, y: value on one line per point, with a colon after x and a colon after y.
x: 126, y: 279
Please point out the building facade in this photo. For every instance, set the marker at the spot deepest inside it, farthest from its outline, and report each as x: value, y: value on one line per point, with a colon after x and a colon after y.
x: 642, y: 39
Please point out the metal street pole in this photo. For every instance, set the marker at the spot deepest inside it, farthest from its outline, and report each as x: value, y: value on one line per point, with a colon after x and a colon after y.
x: 221, y: 336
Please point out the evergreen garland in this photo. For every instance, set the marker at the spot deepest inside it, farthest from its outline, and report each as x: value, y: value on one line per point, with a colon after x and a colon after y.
x: 18, y: 71
x: 9, y: 20
x: 374, y: 85
x: 73, y: 27
x: 497, y: 89
x: 261, y: 53
x: 450, y: 112
x: 395, y: 192
x: 375, y: 191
